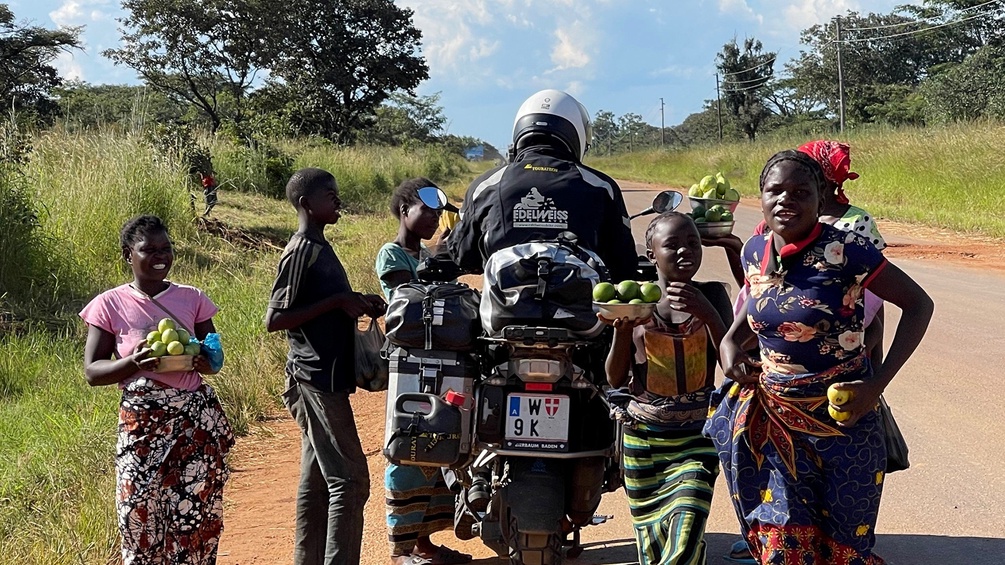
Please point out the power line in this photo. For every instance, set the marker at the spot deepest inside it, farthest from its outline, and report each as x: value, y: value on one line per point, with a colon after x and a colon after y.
x: 771, y: 60
x: 738, y: 82
x: 906, y: 33
x: 922, y: 20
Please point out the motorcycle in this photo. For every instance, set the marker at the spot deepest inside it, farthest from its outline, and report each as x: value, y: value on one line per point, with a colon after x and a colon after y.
x: 543, y: 447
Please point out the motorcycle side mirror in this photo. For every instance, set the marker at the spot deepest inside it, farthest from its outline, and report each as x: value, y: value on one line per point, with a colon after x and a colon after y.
x: 663, y: 202
x: 666, y: 201
x: 435, y: 199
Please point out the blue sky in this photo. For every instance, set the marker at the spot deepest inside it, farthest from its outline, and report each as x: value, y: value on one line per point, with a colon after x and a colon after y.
x: 487, y: 56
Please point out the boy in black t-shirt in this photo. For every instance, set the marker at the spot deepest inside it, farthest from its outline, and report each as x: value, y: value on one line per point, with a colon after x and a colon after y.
x: 313, y: 301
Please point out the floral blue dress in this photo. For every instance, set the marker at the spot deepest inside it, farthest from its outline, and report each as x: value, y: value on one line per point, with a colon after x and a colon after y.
x: 807, y: 491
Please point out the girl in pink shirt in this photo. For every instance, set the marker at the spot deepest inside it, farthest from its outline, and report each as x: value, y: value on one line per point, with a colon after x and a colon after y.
x: 173, y: 435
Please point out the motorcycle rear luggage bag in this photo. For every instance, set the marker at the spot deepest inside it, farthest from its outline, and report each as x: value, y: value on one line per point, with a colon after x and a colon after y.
x: 435, y: 373
x: 440, y: 316
x: 547, y: 283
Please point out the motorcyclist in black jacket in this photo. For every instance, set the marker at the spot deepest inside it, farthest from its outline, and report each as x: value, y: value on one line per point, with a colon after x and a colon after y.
x: 545, y: 190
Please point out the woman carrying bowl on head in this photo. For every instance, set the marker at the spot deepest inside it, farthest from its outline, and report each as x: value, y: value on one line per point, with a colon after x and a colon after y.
x: 805, y: 486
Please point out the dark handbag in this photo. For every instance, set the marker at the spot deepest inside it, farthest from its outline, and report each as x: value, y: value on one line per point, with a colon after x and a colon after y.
x: 896, y: 447
x: 440, y: 316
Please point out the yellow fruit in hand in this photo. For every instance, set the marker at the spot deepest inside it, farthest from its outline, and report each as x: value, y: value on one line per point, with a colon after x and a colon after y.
x: 183, y: 336
x: 153, y: 337
x: 158, y: 349
x: 193, y: 348
x: 175, y: 348
x: 167, y: 336
x: 838, y: 416
x: 166, y: 324
x: 838, y: 396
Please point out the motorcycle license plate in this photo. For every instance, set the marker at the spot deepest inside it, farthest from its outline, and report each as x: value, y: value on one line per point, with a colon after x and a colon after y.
x: 537, y: 421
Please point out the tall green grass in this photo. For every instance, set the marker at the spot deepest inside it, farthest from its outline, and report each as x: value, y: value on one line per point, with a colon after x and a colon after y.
x: 56, y: 433
x: 942, y: 177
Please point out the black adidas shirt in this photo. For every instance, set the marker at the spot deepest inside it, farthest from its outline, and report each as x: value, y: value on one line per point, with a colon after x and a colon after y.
x: 535, y: 198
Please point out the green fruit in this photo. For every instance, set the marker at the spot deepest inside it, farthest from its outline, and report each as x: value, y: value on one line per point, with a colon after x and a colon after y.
x: 604, y: 291
x: 183, y: 337
x: 166, y: 324
x: 153, y: 337
x: 721, y: 184
x: 614, y: 301
x: 628, y: 290
x: 635, y: 301
x: 714, y: 214
x: 698, y: 211
x: 175, y: 348
x: 193, y: 348
x: 167, y: 336
x: 708, y: 183
x: 695, y: 191
x: 731, y: 194
x: 650, y: 292
x: 710, y: 194
x: 158, y: 349
x: 701, y: 220
x: 726, y: 216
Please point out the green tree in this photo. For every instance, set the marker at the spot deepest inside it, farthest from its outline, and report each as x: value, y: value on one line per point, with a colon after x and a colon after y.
x: 86, y: 105
x: 605, y: 132
x: 344, y: 60
x: 27, y: 76
x: 746, y: 75
x: 974, y: 89
x: 630, y: 126
x: 404, y: 119
x: 883, y: 60
x: 207, y: 53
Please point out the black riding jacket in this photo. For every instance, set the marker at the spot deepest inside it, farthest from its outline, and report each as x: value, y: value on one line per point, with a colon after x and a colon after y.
x: 536, y: 197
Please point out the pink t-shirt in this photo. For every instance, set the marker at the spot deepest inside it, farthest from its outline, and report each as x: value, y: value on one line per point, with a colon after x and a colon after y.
x: 130, y: 315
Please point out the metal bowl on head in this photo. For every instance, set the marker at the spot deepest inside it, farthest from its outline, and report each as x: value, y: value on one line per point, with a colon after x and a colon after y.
x: 715, y: 229
x: 709, y: 202
x: 630, y: 311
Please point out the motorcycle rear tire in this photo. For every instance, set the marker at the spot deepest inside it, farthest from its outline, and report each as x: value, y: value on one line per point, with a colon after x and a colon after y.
x: 538, y: 549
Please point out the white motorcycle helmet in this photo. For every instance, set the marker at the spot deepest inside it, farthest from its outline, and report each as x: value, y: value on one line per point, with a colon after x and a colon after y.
x: 555, y: 114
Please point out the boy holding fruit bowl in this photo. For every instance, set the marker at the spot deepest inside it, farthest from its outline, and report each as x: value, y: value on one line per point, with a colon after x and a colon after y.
x: 173, y: 435
x: 670, y: 468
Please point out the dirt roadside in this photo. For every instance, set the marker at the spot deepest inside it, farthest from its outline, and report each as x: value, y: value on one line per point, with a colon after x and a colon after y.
x: 261, y: 494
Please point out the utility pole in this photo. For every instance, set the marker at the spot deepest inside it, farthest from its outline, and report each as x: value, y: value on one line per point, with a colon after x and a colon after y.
x: 662, y: 126
x: 837, y: 22
x: 718, y: 105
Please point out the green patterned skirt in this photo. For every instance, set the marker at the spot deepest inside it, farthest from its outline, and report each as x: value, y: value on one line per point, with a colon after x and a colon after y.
x: 669, y: 477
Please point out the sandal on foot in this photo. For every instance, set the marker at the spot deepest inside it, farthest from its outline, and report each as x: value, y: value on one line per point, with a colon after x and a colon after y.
x: 446, y: 556
x: 739, y: 552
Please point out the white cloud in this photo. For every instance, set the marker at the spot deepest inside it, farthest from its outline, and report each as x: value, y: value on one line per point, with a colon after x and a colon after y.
x: 569, y: 51
x: 802, y: 14
x: 78, y: 12
x: 67, y: 67
x: 739, y: 8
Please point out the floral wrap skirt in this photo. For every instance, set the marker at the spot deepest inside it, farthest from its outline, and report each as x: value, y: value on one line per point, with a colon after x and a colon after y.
x: 170, y: 472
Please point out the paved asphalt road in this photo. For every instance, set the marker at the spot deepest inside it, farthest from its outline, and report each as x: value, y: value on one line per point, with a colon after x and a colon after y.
x: 949, y: 507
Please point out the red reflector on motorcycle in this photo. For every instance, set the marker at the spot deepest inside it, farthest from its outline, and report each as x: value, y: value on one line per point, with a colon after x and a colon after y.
x: 539, y: 387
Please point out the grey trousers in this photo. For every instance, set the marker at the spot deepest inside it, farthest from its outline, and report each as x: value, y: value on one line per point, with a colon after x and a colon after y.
x: 334, y: 479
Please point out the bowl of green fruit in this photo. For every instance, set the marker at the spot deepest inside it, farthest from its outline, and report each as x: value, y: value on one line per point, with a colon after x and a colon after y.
x: 627, y: 299
x: 713, y: 190
x: 175, y: 347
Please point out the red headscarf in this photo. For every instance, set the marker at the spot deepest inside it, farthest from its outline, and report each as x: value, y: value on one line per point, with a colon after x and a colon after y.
x: 835, y: 159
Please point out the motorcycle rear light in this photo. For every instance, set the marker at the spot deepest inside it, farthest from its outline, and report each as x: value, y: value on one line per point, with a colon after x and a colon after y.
x: 538, y: 370
x: 455, y: 398
x: 539, y: 387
